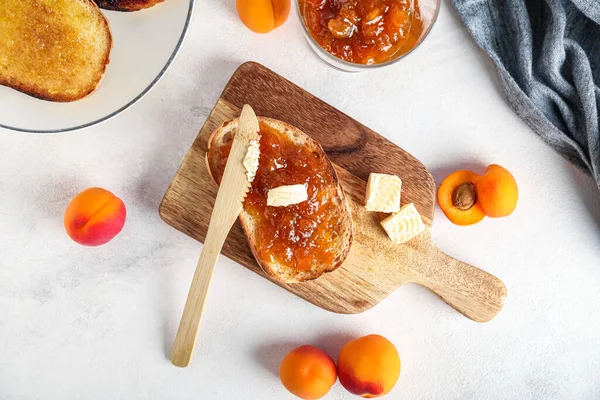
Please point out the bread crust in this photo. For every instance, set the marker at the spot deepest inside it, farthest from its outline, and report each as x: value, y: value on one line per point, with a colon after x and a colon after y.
x: 280, y: 272
x: 127, y: 5
x: 43, y: 93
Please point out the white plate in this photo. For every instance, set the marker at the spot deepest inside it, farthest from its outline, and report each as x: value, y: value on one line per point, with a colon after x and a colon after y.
x: 144, y: 45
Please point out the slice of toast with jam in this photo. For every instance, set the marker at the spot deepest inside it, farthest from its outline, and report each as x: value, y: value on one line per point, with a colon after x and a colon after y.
x: 298, y: 242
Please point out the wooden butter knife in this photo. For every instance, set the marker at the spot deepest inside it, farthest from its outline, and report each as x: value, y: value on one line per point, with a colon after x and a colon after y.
x: 228, y: 205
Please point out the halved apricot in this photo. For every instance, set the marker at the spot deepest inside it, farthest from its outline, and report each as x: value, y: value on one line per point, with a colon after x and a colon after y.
x: 457, y: 197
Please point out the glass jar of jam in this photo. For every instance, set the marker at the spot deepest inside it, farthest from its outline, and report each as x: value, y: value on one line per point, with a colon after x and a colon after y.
x: 356, y: 34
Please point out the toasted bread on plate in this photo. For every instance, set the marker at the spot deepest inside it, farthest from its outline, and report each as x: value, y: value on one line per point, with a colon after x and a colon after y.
x: 126, y: 5
x: 297, y: 242
x: 55, y: 50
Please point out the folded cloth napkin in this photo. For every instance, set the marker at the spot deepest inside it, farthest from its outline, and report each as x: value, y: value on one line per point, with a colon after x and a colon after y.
x: 547, y: 54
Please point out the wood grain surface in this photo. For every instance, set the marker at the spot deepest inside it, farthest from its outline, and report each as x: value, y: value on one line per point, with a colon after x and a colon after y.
x: 376, y: 266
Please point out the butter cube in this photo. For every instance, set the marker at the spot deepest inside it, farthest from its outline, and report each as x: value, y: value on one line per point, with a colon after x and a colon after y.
x: 383, y: 193
x: 403, y: 225
x: 287, y: 195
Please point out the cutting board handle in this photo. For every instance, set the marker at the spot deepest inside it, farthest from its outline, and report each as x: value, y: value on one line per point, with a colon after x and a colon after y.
x: 474, y: 293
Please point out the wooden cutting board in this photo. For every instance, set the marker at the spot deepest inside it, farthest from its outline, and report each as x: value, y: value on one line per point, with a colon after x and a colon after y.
x: 376, y: 266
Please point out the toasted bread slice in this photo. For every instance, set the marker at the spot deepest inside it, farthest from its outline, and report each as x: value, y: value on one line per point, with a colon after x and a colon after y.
x: 329, y: 219
x: 126, y: 5
x: 53, y: 49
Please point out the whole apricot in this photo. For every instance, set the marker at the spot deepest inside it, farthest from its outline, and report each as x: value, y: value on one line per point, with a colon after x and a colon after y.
x: 94, y: 217
x: 369, y: 366
x: 308, y: 372
x: 262, y: 16
x: 497, y: 192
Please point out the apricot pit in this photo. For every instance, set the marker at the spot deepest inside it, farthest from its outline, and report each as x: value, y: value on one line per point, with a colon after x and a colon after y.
x: 464, y: 196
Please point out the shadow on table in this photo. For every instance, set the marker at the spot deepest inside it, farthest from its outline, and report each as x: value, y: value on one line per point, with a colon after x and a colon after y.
x: 181, y: 119
x: 588, y: 191
x: 441, y: 172
x: 332, y: 343
x: 171, y: 146
x: 230, y: 6
x: 49, y: 201
x: 270, y: 355
x: 171, y: 315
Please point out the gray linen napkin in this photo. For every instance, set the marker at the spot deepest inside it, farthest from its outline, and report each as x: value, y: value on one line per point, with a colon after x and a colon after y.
x: 547, y: 54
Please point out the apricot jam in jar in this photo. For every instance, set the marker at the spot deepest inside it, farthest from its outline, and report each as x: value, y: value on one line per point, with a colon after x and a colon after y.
x: 363, y: 31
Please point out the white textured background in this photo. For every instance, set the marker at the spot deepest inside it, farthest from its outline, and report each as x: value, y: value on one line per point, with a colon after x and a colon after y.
x: 97, y: 323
